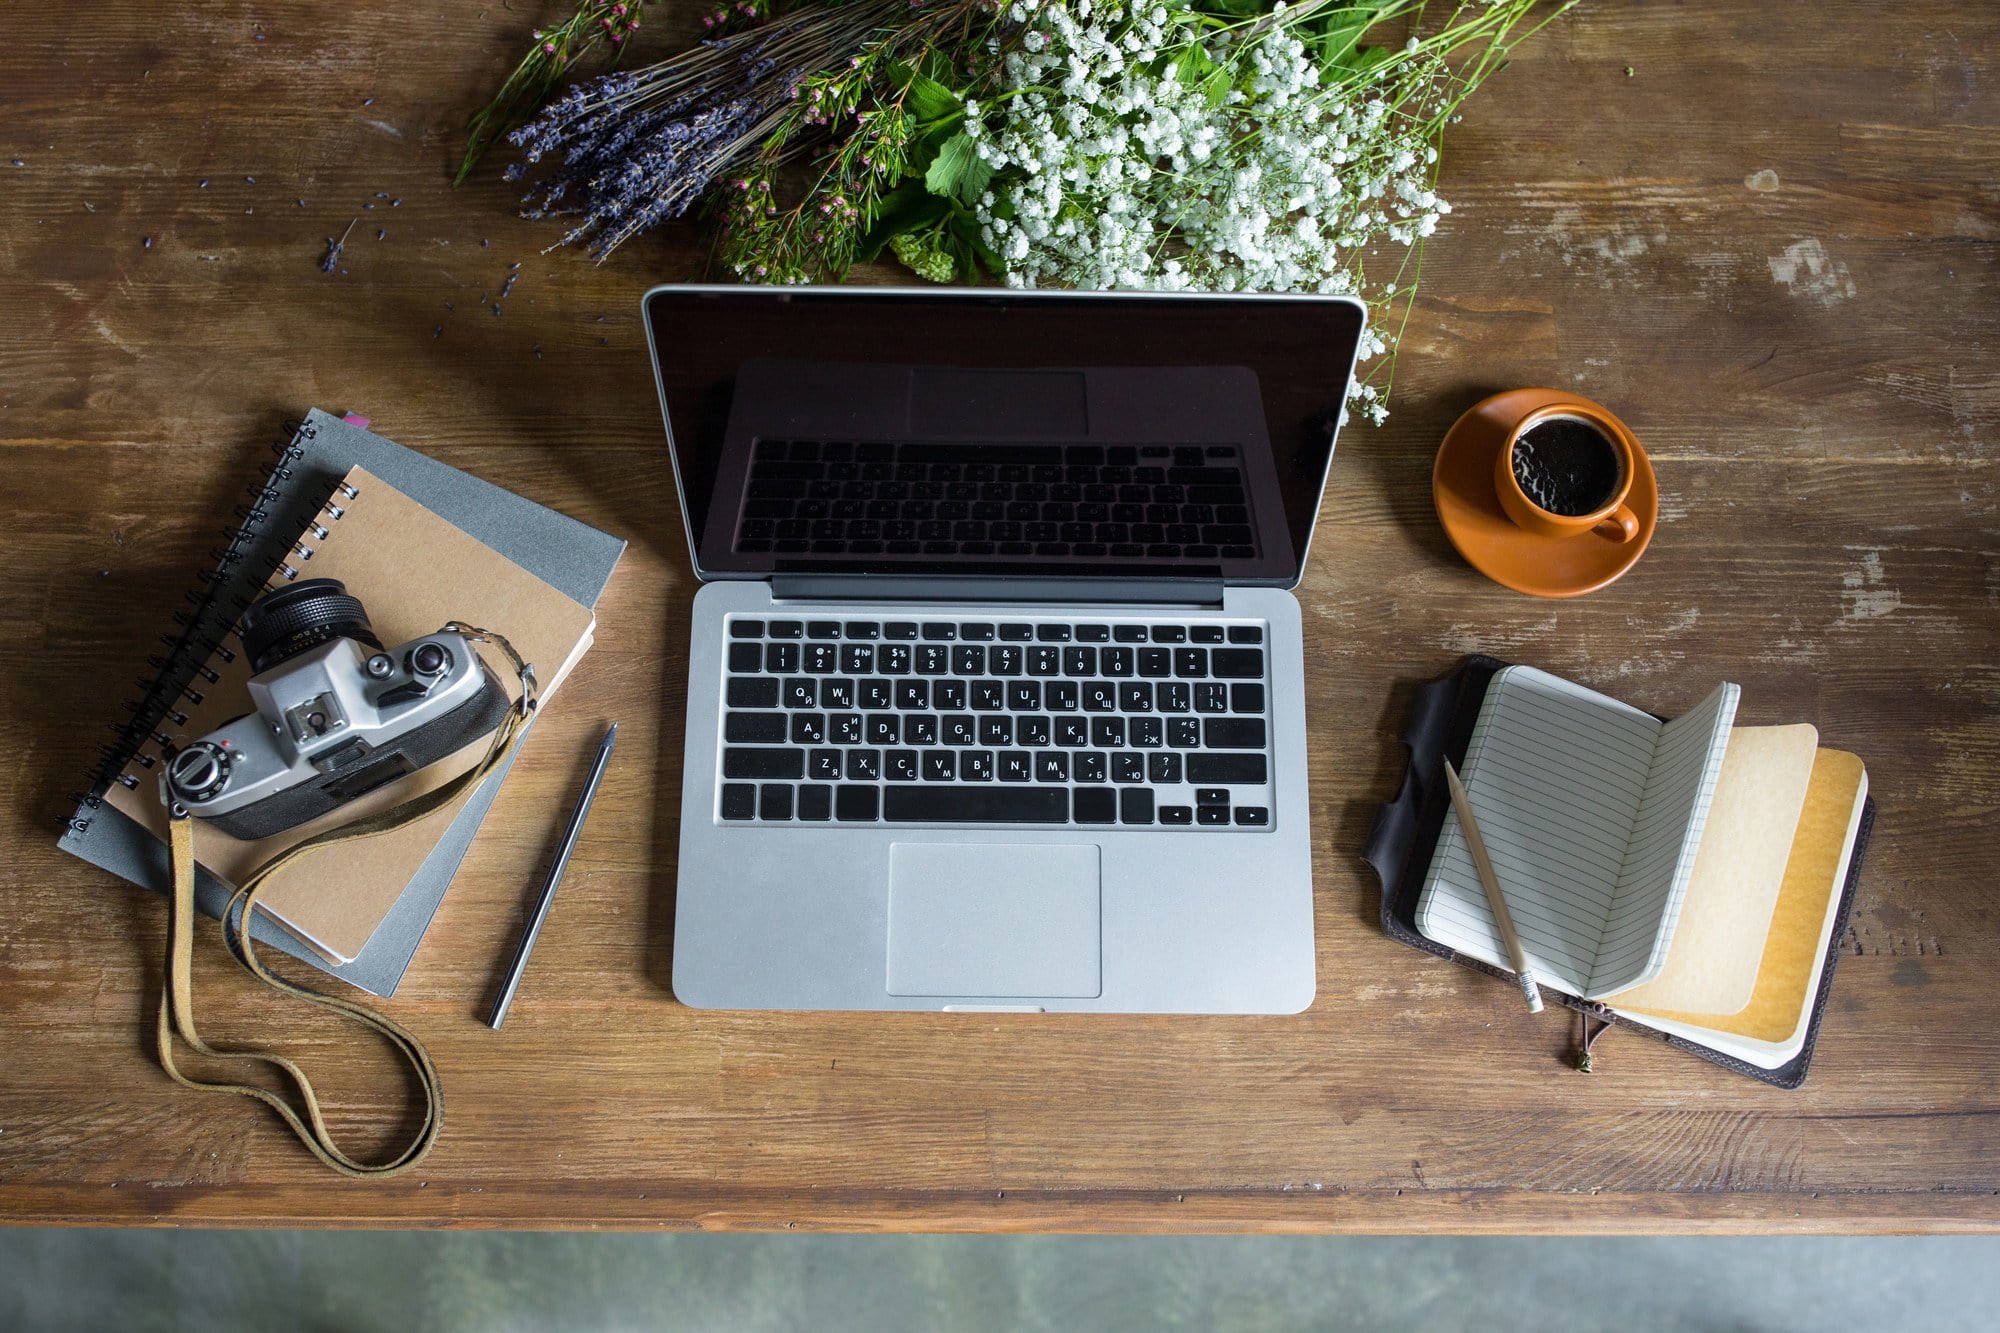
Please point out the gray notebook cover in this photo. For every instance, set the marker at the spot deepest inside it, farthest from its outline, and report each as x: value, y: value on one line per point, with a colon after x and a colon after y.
x: 572, y: 556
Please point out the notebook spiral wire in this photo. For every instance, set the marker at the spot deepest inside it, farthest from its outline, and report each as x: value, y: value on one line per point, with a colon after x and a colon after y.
x: 216, y: 601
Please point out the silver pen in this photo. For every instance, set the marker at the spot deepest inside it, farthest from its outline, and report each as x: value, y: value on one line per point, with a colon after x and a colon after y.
x: 548, y: 894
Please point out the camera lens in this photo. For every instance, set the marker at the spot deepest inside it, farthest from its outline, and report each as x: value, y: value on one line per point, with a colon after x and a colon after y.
x: 286, y: 622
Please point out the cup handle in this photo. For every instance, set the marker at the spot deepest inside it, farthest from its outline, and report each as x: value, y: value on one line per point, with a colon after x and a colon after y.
x: 1621, y: 526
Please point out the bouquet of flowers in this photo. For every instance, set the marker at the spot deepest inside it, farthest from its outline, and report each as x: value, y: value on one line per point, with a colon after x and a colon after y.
x: 1230, y: 145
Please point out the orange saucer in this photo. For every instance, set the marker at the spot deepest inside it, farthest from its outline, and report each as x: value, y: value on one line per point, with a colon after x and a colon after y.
x: 1462, y: 488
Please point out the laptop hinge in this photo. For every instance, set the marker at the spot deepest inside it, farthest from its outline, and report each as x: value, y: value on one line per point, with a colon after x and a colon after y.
x: 951, y: 588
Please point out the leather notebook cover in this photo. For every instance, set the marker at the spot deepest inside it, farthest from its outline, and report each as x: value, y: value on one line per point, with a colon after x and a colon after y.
x: 1438, y: 726
x: 573, y: 557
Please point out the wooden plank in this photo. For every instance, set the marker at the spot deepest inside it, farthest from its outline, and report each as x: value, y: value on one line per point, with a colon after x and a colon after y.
x: 1774, y: 247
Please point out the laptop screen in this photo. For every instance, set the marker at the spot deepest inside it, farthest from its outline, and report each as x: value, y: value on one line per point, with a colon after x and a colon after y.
x: 951, y: 432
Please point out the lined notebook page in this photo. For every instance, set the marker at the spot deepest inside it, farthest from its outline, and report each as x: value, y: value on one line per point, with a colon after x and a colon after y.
x: 1659, y: 863
x: 1556, y: 775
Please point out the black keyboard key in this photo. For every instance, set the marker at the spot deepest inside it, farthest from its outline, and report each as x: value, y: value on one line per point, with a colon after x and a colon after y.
x: 746, y: 657
x: 1156, y: 663
x: 761, y: 692
x: 875, y: 693
x: 900, y: 765
x: 746, y: 629
x: 1205, y: 634
x: 1212, y: 696
x: 857, y: 659
x: 856, y: 803
x: 774, y: 801
x: 976, y: 766
x: 1135, y: 806
x: 836, y: 694
x: 864, y: 765
x: 1191, y: 663
x: 1169, y: 634
x: 1059, y: 696
x: 1098, y: 806
x: 940, y: 765
x: 996, y: 729
x: 1024, y: 696
x: 1163, y: 769
x: 1148, y: 733
x: 1090, y: 766
x: 1236, y: 663
x: 884, y: 728
x: 1135, y: 696
x: 1052, y: 633
x: 1015, y: 766
x: 976, y: 633
x: 920, y: 729
x: 1177, y: 814
x: 989, y: 695
x: 912, y: 695
x: 1099, y: 697
x: 799, y: 692
x: 1079, y: 661
x: 948, y: 695
x: 1044, y: 660
x: 1246, y: 634
x: 1172, y: 696
x: 893, y: 660
x: 1183, y: 733
x: 1107, y: 732
x: 786, y: 629
x: 1211, y: 796
x: 1244, y: 768
x: 976, y: 805
x: 1032, y: 730
x: 846, y: 728
x: 1004, y: 660
x: 754, y: 728
x: 1093, y: 633
x: 1072, y: 732
x: 1128, y: 766
x: 739, y: 800
x: 863, y: 629
x: 968, y: 659
x: 1211, y: 814
x: 900, y: 629
x: 1254, y: 815
x: 780, y: 658
x: 933, y: 659
x: 1017, y: 633
x: 1233, y: 733
x: 938, y: 629
x: 822, y: 629
x: 763, y: 763
x: 1052, y: 766
x: 1246, y: 698
x: 1129, y: 633
x: 823, y: 764
x: 958, y: 729
x: 1116, y: 661
x: 815, y: 802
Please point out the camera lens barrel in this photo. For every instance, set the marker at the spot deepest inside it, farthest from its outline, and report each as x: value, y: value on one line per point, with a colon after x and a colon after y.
x: 286, y: 622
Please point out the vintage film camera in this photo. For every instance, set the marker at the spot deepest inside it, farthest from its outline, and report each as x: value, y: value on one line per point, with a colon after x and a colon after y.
x: 336, y: 716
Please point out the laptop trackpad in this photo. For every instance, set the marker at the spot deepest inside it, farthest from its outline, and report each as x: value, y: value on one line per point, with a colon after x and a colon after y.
x: 994, y: 919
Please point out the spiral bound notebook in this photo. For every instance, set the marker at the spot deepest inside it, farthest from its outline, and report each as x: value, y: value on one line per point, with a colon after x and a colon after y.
x: 286, y: 516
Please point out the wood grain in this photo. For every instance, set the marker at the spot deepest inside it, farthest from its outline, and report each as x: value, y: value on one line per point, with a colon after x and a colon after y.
x: 1771, y: 246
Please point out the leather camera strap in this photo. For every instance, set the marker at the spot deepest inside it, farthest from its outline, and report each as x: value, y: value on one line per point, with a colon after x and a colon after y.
x: 176, y: 1015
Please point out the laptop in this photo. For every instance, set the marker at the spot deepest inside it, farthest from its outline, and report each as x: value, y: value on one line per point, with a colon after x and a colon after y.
x: 996, y: 685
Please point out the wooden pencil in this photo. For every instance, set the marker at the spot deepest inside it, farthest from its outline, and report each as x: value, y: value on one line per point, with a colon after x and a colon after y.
x: 1495, y: 899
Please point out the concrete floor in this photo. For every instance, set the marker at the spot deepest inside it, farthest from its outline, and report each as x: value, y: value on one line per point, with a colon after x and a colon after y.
x: 307, y: 1282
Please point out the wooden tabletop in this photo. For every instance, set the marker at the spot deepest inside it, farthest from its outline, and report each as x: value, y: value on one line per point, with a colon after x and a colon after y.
x: 1763, y: 233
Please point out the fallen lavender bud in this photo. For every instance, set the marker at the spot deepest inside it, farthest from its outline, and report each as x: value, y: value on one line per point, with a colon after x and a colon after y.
x: 330, y: 262
x: 148, y: 242
x: 437, y: 330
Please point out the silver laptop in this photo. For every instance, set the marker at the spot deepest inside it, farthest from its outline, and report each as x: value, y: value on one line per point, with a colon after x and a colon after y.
x: 996, y: 694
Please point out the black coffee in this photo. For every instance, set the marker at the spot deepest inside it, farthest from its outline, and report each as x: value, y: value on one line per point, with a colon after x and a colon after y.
x: 1566, y: 466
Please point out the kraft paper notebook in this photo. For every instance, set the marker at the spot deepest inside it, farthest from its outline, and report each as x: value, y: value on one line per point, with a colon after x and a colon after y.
x: 472, y: 541
x: 1688, y: 877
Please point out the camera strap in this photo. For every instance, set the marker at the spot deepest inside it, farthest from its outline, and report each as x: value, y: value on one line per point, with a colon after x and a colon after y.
x: 176, y: 1016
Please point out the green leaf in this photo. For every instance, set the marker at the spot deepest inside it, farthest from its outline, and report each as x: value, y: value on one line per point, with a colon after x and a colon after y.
x: 931, y: 100
x: 924, y: 254
x: 906, y: 208
x: 958, y: 172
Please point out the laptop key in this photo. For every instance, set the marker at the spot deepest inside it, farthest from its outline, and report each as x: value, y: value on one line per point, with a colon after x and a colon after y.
x: 1052, y: 766
x: 856, y: 803
x: 1177, y: 814
x: 1212, y: 796
x: 1245, y: 769
x: 900, y: 629
x: 739, y: 800
x: 1246, y: 634
x: 1164, y: 769
x: 976, y: 805
x: 1135, y: 805
x: 1246, y: 698
x: 746, y: 657
x: 754, y: 728
x: 1129, y: 633
x: 976, y: 766
x: 763, y: 763
x: 1233, y: 733
x: 940, y: 765
x: 1095, y: 805
x: 1017, y: 633
x: 774, y: 801
x: 1236, y: 663
x: 815, y: 802
x: 864, y: 765
x: 1212, y: 696
x: 1014, y: 766
x: 746, y: 629
x: 1255, y: 815
x: 1128, y: 766
x: 822, y: 629
x: 1211, y: 814
x: 755, y: 692
x: 786, y: 629
x: 901, y: 765
x: 824, y: 764
x: 862, y: 629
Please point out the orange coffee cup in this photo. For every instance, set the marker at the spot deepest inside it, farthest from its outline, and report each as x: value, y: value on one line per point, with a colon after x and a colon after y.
x: 1611, y: 520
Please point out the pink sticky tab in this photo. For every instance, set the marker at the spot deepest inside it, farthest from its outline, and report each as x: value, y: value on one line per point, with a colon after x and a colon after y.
x: 355, y: 419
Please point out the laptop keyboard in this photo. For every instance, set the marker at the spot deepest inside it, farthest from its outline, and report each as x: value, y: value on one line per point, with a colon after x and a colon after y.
x: 1072, y: 502
x: 961, y: 721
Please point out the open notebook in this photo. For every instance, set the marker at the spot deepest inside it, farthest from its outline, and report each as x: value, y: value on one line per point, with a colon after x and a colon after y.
x: 414, y: 572
x: 1687, y: 873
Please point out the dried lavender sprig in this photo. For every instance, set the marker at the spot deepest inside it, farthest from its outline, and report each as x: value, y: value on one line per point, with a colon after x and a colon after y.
x: 331, y: 261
